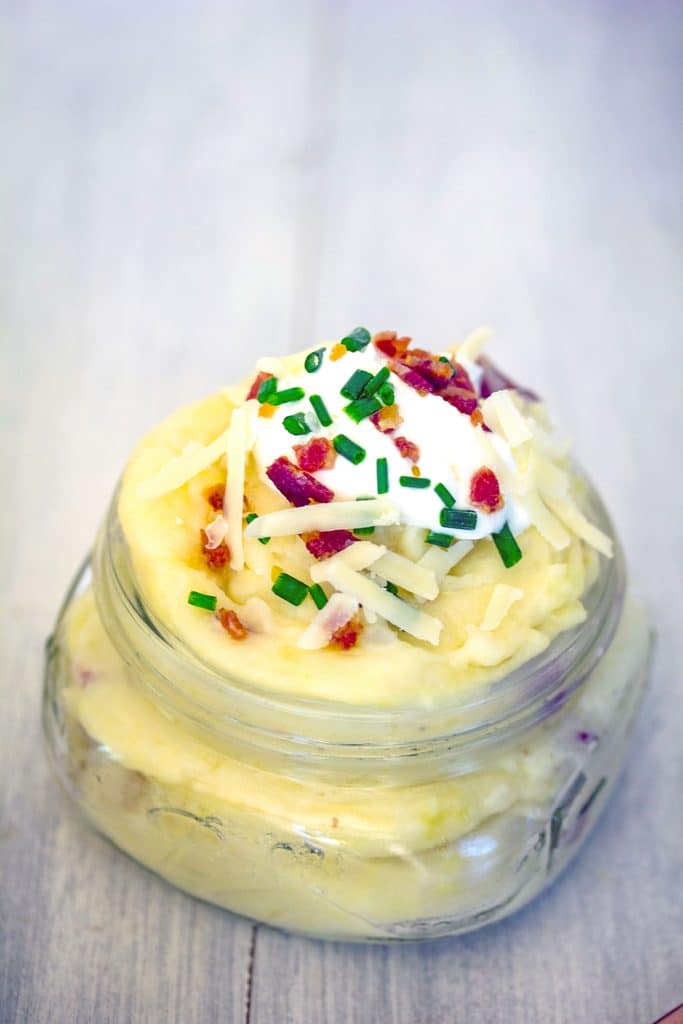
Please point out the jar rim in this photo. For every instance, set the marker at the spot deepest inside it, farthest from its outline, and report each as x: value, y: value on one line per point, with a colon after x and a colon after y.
x: 230, y: 707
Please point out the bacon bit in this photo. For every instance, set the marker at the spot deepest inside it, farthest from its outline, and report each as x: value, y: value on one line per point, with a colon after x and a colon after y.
x: 335, y: 823
x: 485, y: 490
x: 298, y: 486
x: 230, y: 622
x: 389, y: 344
x: 214, y: 496
x: 330, y: 542
x: 477, y: 418
x: 266, y: 411
x: 347, y: 635
x: 387, y: 419
x: 256, y: 384
x: 407, y: 448
x: 316, y: 454
x: 216, y: 558
x: 337, y: 352
x: 494, y: 379
x: 411, y: 377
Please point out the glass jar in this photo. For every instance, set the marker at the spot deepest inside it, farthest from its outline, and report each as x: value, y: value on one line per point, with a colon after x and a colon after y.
x: 338, y: 821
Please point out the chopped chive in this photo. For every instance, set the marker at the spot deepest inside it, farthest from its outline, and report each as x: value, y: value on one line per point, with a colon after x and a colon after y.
x: 391, y: 587
x: 382, y: 476
x: 296, y: 424
x: 417, y: 482
x: 356, y: 340
x: 348, y: 449
x: 290, y: 589
x: 267, y: 388
x: 313, y: 360
x: 288, y: 395
x: 445, y: 495
x: 444, y: 359
x: 318, y: 594
x: 458, y: 518
x: 380, y: 378
x: 199, y: 600
x: 320, y: 409
x: 362, y: 408
x: 387, y: 394
x: 442, y: 540
x: 356, y: 384
x: 250, y: 518
x: 361, y: 531
x: 508, y: 548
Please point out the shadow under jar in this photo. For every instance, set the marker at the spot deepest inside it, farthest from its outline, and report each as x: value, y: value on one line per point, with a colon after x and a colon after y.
x: 341, y: 822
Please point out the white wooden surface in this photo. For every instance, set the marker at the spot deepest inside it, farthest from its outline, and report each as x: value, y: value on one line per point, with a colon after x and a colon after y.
x: 188, y: 185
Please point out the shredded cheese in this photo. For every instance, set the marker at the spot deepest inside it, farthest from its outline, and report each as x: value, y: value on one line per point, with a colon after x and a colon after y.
x: 575, y: 521
x: 502, y: 415
x: 336, y: 515
x: 473, y: 344
x: 440, y: 561
x: 409, y: 575
x: 360, y: 555
x: 336, y: 613
x: 377, y: 599
x: 182, y: 468
x: 500, y: 603
x: 545, y: 522
x: 233, y: 501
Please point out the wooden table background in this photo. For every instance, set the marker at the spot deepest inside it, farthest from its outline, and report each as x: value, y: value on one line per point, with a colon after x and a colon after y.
x: 187, y: 185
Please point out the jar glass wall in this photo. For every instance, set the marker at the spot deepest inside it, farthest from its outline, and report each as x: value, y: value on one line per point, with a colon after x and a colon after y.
x: 334, y: 821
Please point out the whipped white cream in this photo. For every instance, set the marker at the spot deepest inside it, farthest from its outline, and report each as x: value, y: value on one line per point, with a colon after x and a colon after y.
x: 451, y: 448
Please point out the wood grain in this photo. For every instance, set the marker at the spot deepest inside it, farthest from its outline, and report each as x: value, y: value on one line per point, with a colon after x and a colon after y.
x: 186, y: 187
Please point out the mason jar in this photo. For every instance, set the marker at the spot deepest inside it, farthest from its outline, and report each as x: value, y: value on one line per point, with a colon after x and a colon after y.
x: 328, y: 819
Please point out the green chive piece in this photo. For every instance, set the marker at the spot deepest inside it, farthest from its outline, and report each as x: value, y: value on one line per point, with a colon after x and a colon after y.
x: 508, y: 548
x: 318, y: 594
x: 288, y: 395
x: 356, y: 384
x: 391, y: 587
x: 348, y: 449
x: 361, y: 531
x: 267, y: 388
x: 444, y: 359
x: 296, y: 424
x: 313, y: 360
x: 458, y: 518
x: 419, y: 483
x: 445, y: 495
x: 387, y: 394
x: 382, y: 476
x: 290, y: 589
x: 362, y: 408
x: 199, y: 600
x: 250, y: 518
x: 442, y: 540
x: 320, y: 409
x: 380, y: 378
x: 357, y: 340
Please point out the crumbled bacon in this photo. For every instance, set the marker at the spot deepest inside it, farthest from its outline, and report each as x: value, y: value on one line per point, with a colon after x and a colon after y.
x: 257, y: 382
x: 328, y: 543
x: 477, y: 418
x: 230, y: 622
x: 494, y: 379
x: 318, y: 453
x: 214, y: 496
x: 411, y: 377
x: 216, y: 558
x: 296, y: 484
x: 485, y: 490
x: 408, y: 449
x: 387, y: 418
x: 347, y: 635
x: 389, y: 344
